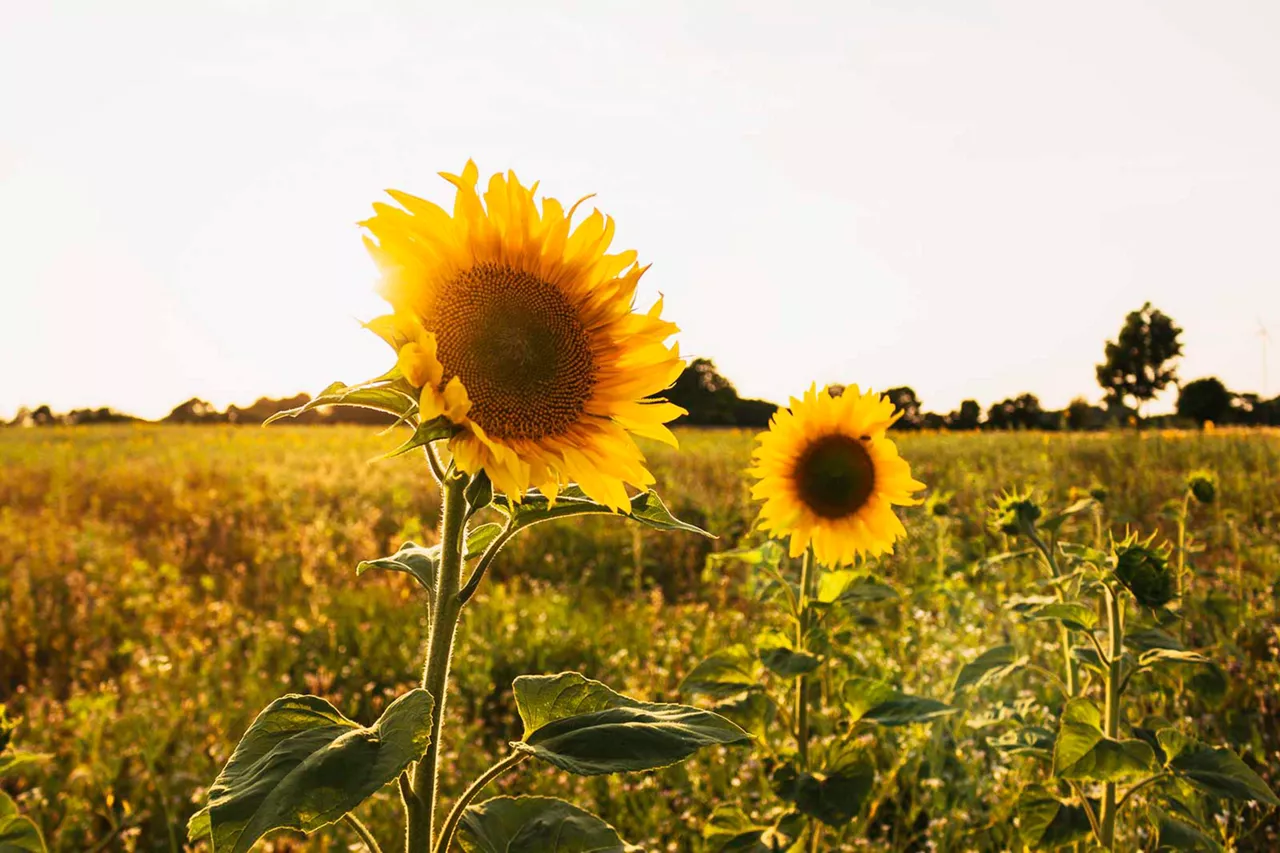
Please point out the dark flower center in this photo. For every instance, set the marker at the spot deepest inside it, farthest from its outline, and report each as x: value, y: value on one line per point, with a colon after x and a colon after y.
x: 518, y: 346
x: 835, y: 476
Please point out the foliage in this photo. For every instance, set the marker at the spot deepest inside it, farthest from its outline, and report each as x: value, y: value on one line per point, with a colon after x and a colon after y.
x: 1136, y: 364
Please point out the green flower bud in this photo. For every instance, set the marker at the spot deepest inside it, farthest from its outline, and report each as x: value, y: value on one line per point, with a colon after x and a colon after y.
x: 1014, y: 513
x: 1203, y: 486
x: 1144, y: 569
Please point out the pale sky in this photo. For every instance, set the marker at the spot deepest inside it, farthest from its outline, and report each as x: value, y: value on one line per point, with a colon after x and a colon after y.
x: 963, y: 197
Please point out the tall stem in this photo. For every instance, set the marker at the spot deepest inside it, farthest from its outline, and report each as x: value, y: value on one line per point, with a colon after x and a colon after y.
x: 445, y: 609
x: 802, y: 683
x: 1064, y: 636
x: 455, y: 814
x: 1115, y: 628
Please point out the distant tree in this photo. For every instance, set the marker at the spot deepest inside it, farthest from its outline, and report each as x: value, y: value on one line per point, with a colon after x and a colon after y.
x: 1137, y: 362
x: 43, y: 416
x: 904, y: 399
x: 1021, y: 412
x: 194, y: 411
x: 967, y: 416
x: 933, y: 420
x: 711, y: 399
x: 1205, y: 400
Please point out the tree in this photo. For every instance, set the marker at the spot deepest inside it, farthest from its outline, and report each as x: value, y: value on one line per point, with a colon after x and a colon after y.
x: 966, y: 417
x: 1081, y: 414
x: 1022, y: 412
x: 904, y: 399
x: 1137, y: 362
x: 711, y: 399
x: 1205, y: 400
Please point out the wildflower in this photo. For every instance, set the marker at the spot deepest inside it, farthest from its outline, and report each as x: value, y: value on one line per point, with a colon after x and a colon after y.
x: 519, y: 328
x: 1144, y: 568
x: 829, y: 476
x: 1203, y: 486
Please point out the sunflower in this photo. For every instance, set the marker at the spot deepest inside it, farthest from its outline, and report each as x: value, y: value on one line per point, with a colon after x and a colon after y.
x: 520, y: 329
x: 829, y: 477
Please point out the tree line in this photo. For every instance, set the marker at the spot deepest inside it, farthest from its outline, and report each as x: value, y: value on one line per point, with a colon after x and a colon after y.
x: 1139, y: 364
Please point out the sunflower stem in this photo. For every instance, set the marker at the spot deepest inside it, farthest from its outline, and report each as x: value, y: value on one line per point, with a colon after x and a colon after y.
x: 802, y: 683
x: 446, y: 606
x: 1115, y: 627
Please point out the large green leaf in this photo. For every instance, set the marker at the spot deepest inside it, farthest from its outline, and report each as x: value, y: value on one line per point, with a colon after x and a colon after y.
x: 1083, y: 751
x: 845, y: 586
x: 834, y: 795
x: 776, y: 652
x: 752, y: 711
x: 17, y: 833
x: 730, y: 830
x: 388, y: 393
x: 726, y: 673
x: 1046, y: 823
x: 1076, y: 616
x: 536, y: 825
x: 992, y: 665
x: 1179, y: 835
x: 1217, y: 771
x: 878, y: 702
x: 646, y: 508
x: 579, y: 725
x: 302, y: 765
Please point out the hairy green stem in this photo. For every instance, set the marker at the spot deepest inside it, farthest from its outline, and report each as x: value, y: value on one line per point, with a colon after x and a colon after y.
x: 363, y: 831
x: 1115, y: 629
x: 446, y: 606
x: 455, y: 814
x: 802, y: 683
x: 1064, y: 636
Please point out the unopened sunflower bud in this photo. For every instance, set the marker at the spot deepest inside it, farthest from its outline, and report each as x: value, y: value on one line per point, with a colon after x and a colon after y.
x: 1014, y: 513
x: 1203, y: 486
x: 1144, y: 569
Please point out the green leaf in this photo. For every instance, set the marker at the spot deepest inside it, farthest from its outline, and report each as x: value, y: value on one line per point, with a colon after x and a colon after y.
x: 425, y: 433
x: 17, y: 833
x: 729, y: 830
x: 776, y: 653
x: 646, y: 508
x: 412, y: 559
x: 726, y: 673
x: 990, y: 666
x: 1053, y: 522
x: 769, y: 553
x: 1152, y: 638
x: 13, y: 760
x: 303, y: 765
x: 1076, y: 616
x: 389, y: 393
x: 1151, y: 657
x: 536, y: 825
x: 1045, y: 823
x: 1209, y: 683
x: 835, y: 796
x: 1175, y: 834
x: 1036, y: 741
x: 877, y: 702
x: 752, y: 711
x: 847, y: 587
x: 481, y: 537
x: 1082, y: 750
x: 479, y: 492
x: 1216, y: 771
x: 1090, y: 659
x: 579, y: 725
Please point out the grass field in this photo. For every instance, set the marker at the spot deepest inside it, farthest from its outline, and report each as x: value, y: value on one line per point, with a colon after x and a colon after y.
x: 160, y: 585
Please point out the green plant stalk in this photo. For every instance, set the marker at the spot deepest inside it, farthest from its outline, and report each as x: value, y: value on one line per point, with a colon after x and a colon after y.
x: 1064, y: 636
x: 455, y: 814
x: 445, y: 609
x: 1115, y: 629
x: 802, y: 683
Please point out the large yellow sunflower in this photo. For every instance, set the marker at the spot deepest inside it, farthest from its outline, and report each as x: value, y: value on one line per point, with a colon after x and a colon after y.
x: 520, y: 329
x: 830, y: 477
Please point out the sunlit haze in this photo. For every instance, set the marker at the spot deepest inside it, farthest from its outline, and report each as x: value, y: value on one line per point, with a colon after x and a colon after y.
x: 964, y: 198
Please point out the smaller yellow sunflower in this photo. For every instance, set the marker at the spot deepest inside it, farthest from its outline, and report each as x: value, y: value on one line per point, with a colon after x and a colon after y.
x: 829, y: 476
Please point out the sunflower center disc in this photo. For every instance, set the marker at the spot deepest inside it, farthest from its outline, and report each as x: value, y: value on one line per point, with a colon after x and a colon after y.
x: 835, y: 476
x: 518, y: 346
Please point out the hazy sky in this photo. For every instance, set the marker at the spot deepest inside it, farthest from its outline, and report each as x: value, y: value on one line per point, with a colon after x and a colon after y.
x: 964, y: 197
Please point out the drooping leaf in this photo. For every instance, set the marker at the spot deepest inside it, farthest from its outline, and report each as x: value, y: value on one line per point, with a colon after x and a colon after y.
x: 302, y: 765
x: 726, y: 673
x: 1053, y: 522
x: 1076, y: 616
x: 389, y: 393
x: 768, y: 553
x: 1083, y: 751
x: 1216, y: 771
x: 411, y: 559
x: 17, y: 833
x: 424, y: 433
x: 1151, y: 657
x: 990, y: 666
x: 1152, y: 638
x: 1046, y: 823
x: 647, y: 508
x: 836, y: 794
x: 776, y: 652
x: 1175, y: 834
x: 581, y: 726
x: 752, y: 711
x: 536, y: 825
x: 877, y: 702
x: 848, y: 587
x: 13, y: 760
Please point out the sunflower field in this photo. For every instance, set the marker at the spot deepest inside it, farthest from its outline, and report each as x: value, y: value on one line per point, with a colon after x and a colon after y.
x: 528, y: 616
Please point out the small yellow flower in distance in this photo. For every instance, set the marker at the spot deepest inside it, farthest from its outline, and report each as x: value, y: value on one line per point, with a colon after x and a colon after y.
x: 519, y: 328
x: 829, y: 476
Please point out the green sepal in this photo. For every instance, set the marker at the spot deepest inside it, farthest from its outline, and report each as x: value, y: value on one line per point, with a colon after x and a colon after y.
x: 536, y: 825
x: 303, y: 765
x: 479, y: 492
x: 1083, y: 751
x: 647, y: 508
x: 877, y: 702
x: 18, y: 834
x: 580, y: 725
